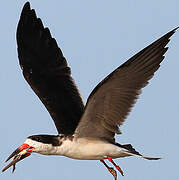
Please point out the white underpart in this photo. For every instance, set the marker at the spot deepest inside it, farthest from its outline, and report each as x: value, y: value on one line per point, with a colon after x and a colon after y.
x: 81, y: 148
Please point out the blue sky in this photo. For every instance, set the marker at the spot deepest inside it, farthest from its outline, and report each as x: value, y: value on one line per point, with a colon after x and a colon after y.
x: 95, y: 37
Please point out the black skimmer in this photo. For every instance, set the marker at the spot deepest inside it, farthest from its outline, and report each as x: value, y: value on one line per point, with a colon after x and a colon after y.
x: 85, y: 132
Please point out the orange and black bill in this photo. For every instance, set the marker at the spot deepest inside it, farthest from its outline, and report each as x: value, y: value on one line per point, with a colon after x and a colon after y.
x: 20, y: 153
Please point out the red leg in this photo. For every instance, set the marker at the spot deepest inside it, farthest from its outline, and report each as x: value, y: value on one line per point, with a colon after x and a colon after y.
x: 110, y: 169
x: 116, y: 166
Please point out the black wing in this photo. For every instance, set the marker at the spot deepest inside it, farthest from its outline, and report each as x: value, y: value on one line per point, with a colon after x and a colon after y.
x: 111, y: 101
x: 46, y: 70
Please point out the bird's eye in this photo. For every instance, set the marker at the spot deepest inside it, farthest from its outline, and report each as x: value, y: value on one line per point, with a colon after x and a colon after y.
x: 38, y: 139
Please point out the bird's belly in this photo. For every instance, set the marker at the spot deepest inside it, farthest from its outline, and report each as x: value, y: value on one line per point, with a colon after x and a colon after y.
x: 91, y: 150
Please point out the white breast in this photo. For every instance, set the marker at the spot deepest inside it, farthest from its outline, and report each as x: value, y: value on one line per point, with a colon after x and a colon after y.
x: 80, y: 148
x: 89, y: 149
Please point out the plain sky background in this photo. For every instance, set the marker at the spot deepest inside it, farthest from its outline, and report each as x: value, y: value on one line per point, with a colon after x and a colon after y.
x: 96, y: 36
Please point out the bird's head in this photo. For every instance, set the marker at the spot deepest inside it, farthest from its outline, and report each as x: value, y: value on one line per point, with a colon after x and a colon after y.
x: 43, y: 144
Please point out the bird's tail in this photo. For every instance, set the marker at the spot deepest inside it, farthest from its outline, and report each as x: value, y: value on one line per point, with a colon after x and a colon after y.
x: 145, y: 157
x: 132, y: 152
x: 150, y: 158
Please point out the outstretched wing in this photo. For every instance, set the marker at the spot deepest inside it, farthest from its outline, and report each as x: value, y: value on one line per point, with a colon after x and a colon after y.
x: 111, y: 101
x: 45, y: 69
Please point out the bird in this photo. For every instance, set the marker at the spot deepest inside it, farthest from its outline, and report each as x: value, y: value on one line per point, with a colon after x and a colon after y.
x: 85, y: 132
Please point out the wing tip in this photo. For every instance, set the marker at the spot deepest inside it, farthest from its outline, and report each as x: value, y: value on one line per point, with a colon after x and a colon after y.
x: 175, y: 29
x: 170, y: 33
x: 26, y: 7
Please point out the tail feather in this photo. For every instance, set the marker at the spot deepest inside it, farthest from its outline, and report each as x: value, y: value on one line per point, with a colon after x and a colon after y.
x: 129, y: 148
x: 150, y: 158
x: 132, y: 152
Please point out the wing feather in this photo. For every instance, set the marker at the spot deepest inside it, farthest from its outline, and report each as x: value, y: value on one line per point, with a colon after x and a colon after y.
x: 45, y: 69
x: 112, y: 99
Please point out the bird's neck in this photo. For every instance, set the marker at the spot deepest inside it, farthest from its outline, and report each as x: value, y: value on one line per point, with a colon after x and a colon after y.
x: 57, y: 145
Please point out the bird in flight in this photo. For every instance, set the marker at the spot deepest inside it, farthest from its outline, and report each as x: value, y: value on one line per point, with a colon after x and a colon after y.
x: 84, y: 132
